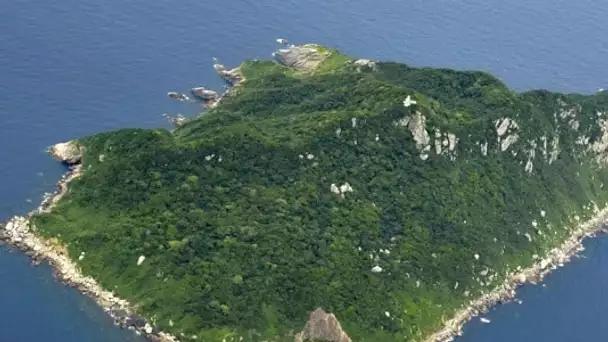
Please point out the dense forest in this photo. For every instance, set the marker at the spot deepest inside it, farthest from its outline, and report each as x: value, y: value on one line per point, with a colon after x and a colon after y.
x: 323, y: 189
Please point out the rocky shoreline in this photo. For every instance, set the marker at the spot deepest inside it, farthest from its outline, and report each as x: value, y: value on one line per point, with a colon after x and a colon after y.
x: 20, y: 232
x: 555, y: 258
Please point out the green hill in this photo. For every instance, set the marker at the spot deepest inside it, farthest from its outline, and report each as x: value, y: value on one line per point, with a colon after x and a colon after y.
x: 315, y: 186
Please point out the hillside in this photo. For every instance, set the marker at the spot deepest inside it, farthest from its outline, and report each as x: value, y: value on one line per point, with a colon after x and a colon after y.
x: 385, y: 194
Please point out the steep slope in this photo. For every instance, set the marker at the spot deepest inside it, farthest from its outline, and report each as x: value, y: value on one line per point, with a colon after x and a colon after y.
x: 387, y: 195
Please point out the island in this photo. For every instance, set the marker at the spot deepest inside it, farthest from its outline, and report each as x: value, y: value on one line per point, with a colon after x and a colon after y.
x: 327, y: 198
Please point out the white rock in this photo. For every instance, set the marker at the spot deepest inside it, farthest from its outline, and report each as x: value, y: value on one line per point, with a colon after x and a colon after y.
x: 453, y: 141
x: 376, y: 269
x: 543, y: 213
x: 334, y: 189
x: 502, y: 125
x: 408, y: 101
x: 68, y: 152
x: 344, y: 188
x: 484, y: 148
x: 544, y: 263
x: 148, y: 329
x: 310, y: 156
x: 365, y: 62
x: 417, y: 126
x: 353, y: 122
x: 141, y: 260
x: 476, y: 256
x: 387, y: 314
x: 508, y: 141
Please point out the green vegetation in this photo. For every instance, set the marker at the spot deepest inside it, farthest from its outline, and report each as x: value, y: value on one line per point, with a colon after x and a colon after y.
x: 243, y: 237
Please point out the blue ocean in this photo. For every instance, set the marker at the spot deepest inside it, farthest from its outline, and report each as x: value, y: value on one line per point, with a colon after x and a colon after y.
x: 73, y: 68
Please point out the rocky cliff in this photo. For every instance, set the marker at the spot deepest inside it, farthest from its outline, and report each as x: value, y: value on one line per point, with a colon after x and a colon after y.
x: 322, y: 326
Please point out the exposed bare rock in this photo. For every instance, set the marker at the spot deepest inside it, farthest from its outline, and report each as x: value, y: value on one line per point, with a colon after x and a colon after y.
x: 484, y: 148
x: 438, y: 141
x: 69, y: 152
x: 417, y: 125
x: 177, y: 120
x: 508, y: 141
x: 554, y: 153
x: 531, y: 155
x: 452, y: 141
x: 232, y: 76
x: 408, y: 101
x: 600, y: 147
x: 342, y: 190
x: 569, y: 115
x: 303, y: 58
x: 508, y: 127
x: 365, y: 63
x: 178, y: 96
x: 503, y: 125
x: 204, y: 93
x: 322, y: 326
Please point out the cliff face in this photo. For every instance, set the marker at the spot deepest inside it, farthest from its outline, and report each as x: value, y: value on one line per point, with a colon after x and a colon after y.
x: 390, y: 195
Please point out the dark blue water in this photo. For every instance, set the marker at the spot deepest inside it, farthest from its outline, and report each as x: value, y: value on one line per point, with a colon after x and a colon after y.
x: 73, y: 68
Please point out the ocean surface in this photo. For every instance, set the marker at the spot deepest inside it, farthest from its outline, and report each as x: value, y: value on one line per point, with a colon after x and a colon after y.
x: 73, y: 68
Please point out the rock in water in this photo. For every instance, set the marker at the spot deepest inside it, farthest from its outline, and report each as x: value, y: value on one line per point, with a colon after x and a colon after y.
x: 322, y: 326
x: 204, y: 94
x: 69, y: 152
x: 178, y: 96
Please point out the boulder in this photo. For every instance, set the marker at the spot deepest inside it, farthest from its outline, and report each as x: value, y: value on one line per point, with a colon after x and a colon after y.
x: 204, y: 94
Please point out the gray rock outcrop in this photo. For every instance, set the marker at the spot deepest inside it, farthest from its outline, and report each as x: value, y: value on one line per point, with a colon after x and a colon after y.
x: 69, y: 152
x: 204, y: 93
x: 322, y: 326
x: 232, y: 76
x: 302, y: 58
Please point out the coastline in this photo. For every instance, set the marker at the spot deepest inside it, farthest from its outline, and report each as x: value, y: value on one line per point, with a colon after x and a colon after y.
x: 554, y: 258
x: 20, y: 232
